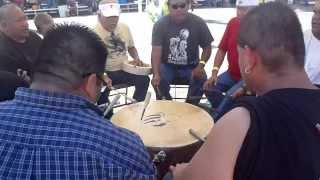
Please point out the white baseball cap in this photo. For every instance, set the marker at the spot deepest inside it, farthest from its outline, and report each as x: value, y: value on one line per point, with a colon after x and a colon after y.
x: 109, y: 9
x: 245, y: 3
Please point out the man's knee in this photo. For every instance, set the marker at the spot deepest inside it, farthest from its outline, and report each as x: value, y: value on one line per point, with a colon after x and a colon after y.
x: 214, y: 96
x: 221, y: 86
x: 199, y: 81
x: 142, y: 81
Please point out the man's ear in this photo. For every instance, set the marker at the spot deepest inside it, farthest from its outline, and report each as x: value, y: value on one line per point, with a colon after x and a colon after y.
x: 252, y: 59
x: 90, y: 87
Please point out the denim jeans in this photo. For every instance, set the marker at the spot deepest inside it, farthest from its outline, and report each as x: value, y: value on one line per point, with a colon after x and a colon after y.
x: 141, y: 84
x: 224, y: 83
x: 170, y: 73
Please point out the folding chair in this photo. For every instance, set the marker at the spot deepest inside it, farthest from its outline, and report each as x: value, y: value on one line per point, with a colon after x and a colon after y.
x: 118, y: 87
x: 179, y: 84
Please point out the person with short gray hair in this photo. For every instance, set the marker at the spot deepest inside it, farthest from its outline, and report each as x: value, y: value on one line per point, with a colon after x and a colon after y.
x: 276, y: 134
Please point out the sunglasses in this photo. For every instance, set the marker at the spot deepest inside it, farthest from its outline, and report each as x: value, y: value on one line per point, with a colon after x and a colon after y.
x: 181, y: 6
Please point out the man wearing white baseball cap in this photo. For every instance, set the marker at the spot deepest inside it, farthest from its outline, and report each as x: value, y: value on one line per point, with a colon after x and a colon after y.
x: 215, y: 85
x: 119, y: 41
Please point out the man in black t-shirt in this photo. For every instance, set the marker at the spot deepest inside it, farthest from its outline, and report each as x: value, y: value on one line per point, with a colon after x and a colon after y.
x: 175, y: 51
x: 18, y: 45
x: 274, y: 136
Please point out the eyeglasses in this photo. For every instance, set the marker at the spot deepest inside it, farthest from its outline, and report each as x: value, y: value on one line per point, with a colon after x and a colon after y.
x: 181, y: 6
x: 101, y: 77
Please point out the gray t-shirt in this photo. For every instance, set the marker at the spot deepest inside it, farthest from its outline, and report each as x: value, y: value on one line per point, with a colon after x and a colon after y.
x: 180, y: 43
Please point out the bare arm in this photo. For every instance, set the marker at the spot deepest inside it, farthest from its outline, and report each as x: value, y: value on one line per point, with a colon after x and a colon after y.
x: 216, y: 159
x: 206, y: 53
x: 155, y: 62
x: 133, y: 53
x: 156, y: 59
x: 218, y: 60
x: 199, y: 71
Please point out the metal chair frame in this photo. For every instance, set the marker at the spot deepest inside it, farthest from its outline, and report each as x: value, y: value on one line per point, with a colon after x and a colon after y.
x: 121, y: 86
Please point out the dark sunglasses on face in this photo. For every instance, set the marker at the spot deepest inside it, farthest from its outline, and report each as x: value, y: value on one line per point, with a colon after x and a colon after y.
x: 176, y: 6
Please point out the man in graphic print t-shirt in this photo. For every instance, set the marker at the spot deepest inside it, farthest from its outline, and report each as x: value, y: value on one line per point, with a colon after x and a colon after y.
x: 175, y: 51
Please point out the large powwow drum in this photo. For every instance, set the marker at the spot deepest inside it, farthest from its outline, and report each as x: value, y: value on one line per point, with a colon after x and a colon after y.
x: 165, y: 129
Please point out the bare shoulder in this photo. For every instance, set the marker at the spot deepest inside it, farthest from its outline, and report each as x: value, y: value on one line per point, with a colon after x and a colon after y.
x: 237, y: 116
x: 232, y: 128
x: 217, y: 157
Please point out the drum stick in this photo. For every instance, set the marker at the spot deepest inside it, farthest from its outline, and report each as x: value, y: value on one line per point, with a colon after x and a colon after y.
x: 130, y: 98
x: 227, y: 100
x: 196, y: 135
x: 113, y: 102
x: 146, y: 102
x: 159, y: 93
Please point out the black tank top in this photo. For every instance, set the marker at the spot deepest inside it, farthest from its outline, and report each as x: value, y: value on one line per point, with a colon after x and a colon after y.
x: 282, y: 142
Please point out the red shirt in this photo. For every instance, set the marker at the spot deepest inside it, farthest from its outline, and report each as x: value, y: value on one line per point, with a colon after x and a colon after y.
x: 228, y: 43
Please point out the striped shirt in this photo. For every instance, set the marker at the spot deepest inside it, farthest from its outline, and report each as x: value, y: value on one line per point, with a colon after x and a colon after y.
x: 50, y: 135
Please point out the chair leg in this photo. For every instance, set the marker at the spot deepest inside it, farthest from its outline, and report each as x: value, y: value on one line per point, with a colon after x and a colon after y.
x: 175, y: 92
x: 125, y: 98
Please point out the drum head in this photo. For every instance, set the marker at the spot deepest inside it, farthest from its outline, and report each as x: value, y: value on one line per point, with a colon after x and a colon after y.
x: 177, y: 118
